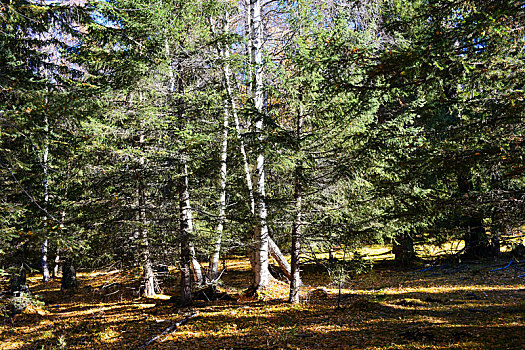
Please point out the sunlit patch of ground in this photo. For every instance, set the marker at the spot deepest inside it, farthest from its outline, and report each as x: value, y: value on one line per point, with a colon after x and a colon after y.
x: 464, y: 306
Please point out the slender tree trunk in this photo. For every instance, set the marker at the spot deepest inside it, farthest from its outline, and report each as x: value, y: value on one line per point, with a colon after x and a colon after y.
x: 246, y: 164
x: 247, y: 172
x: 213, y: 270
x: 273, y: 247
x: 262, y: 273
x: 45, y: 165
x: 56, y: 268
x: 186, y: 228
x: 186, y: 220
x: 295, y: 281
x: 45, y: 268
x: 148, y: 275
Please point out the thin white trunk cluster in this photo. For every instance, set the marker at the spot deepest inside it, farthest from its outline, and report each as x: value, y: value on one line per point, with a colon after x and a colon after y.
x: 272, y: 246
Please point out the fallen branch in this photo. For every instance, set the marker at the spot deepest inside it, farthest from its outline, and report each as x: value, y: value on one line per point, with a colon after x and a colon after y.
x: 112, y: 293
x: 110, y: 272
x: 106, y: 286
x: 170, y: 329
x: 216, y: 280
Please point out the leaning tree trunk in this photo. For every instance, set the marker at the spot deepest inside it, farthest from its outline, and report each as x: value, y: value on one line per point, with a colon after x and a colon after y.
x: 261, y: 273
x: 295, y: 281
x: 279, y: 258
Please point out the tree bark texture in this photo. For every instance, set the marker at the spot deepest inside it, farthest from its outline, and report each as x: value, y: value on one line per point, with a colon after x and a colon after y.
x: 45, y: 166
x: 196, y: 266
x: 147, y: 266
x: 295, y: 281
x: 213, y: 270
x: 185, y: 232
x: 56, y: 268
x: 261, y: 273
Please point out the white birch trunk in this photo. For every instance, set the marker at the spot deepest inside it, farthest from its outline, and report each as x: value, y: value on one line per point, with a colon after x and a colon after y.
x: 262, y: 274
x: 45, y: 165
x: 186, y: 232
x: 188, y: 217
x: 56, y: 268
x: 197, y: 270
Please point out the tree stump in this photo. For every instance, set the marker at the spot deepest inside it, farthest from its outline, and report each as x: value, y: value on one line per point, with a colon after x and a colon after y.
x: 69, y: 276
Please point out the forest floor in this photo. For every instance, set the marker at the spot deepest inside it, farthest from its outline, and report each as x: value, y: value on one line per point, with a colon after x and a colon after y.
x: 461, y: 306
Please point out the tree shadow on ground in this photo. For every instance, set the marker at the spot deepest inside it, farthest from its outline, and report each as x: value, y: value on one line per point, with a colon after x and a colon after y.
x: 385, y: 309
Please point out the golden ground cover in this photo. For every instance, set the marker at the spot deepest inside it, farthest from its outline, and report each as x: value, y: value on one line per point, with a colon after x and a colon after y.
x: 443, y: 307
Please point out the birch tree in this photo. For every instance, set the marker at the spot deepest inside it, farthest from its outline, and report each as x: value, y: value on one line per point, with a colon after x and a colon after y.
x: 256, y: 34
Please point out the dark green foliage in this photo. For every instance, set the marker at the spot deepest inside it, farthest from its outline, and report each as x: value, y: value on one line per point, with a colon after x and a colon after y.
x: 413, y: 126
x: 451, y: 126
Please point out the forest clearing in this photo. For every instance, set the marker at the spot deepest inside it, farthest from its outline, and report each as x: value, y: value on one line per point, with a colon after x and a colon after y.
x: 440, y: 306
